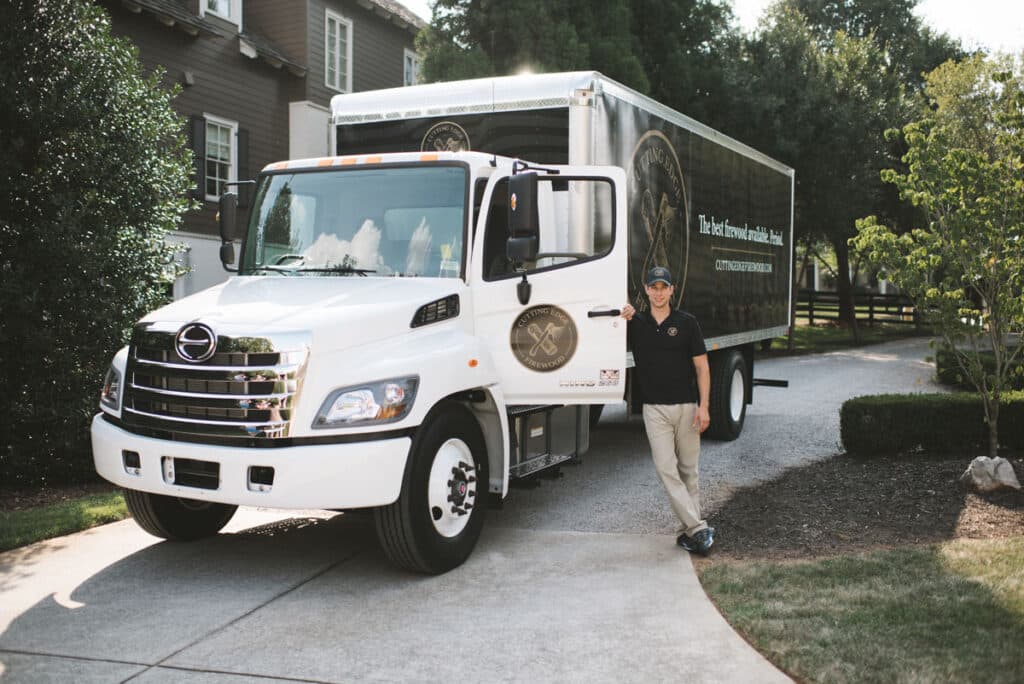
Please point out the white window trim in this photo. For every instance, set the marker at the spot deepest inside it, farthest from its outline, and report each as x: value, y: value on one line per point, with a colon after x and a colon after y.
x: 329, y: 15
x: 233, y: 168
x: 235, y: 10
x: 406, y: 55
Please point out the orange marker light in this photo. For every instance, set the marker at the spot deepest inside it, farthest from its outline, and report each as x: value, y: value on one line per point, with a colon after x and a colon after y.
x: 473, y: 363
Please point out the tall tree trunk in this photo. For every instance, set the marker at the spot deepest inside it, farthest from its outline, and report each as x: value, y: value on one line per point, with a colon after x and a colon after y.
x: 847, y: 312
x: 993, y: 429
x: 790, y: 343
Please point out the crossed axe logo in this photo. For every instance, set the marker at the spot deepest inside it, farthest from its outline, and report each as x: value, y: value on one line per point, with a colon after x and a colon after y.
x: 658, y: 225
x: 544, y: 339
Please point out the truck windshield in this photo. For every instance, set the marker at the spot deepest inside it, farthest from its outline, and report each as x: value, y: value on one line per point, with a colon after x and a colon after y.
x: 376, y: 221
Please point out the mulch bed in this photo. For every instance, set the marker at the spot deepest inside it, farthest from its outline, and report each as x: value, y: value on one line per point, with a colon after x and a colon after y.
x: 846, y: 505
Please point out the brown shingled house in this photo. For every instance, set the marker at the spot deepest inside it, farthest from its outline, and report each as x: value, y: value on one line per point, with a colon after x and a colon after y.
x: 256, y: 81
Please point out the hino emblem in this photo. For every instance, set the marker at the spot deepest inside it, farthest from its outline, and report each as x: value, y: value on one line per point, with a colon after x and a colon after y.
x: 196, y: 343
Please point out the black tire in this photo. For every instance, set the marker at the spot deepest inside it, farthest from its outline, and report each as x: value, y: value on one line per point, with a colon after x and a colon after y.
x: 415, y: 532
x: 595, y: 414
x: 730, y: 384
x: 170, y: 517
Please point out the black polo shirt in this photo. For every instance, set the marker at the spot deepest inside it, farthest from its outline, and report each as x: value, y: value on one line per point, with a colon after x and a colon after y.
x: 664, y: 357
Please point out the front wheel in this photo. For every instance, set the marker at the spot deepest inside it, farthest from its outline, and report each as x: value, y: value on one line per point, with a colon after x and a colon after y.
x: 728, y: 405
x: 436, y: 521
x: 170, y: 517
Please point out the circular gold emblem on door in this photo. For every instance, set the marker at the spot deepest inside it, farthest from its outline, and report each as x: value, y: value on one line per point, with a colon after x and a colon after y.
x: 543, y: 338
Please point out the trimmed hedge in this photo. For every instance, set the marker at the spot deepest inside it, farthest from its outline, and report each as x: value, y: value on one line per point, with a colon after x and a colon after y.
x: 948, y: 372
x: 887, y: 424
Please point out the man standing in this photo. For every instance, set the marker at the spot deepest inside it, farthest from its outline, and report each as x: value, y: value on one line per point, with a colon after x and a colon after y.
x: 674, y: 382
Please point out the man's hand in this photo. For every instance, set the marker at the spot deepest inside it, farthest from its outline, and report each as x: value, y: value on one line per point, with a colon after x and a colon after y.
x: 701, y: 418
x: 628, y: 312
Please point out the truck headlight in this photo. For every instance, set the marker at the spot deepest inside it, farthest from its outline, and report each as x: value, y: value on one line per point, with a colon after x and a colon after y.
x: 386, y: 401
x: 110, y: 397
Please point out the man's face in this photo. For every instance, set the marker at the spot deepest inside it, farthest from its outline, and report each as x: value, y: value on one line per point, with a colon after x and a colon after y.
x: 660, y: 294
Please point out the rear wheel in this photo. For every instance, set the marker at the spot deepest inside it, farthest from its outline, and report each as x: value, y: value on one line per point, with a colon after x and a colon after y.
x: 728, y: 405
x: 170, y: 517
x: 436, y: 521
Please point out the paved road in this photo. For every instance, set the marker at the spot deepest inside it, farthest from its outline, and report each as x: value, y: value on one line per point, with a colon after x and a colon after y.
x: 577, y: 580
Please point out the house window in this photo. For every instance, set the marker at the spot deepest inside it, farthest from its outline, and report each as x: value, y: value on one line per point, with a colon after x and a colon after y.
x: 338, y: 49
x: 230, y: 10
x: 221, y: 156
x: 412, y: 68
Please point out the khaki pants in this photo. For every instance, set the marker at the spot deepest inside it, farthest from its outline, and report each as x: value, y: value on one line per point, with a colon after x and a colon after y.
x: 675, y: 447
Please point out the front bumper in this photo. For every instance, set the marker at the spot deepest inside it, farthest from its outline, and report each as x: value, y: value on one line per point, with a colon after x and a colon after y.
x: 331, y: 476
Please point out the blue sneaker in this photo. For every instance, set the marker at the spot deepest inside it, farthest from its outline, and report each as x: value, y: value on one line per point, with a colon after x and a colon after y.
x: 701, y: 541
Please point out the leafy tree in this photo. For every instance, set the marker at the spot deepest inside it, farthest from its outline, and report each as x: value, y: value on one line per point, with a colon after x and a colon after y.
x: 684, y: 48
x: 965, y: 269
x: 911, y: 48
x: 672, y: 50
x: 822, y: 80
x: 476, y: 38
x: 93, y: 172
x: 821, y: 107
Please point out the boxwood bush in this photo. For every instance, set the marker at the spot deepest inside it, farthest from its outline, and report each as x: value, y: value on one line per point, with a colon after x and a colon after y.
x: 888, y: 424
x: 949, y: 373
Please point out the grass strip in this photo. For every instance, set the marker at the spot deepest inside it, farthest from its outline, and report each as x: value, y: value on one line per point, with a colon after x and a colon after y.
x: 948, y: 613
x: 18, y: 528
x: 822, y: 338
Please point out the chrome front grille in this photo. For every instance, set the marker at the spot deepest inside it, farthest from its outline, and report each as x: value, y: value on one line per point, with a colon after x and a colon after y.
x: 246, y: 390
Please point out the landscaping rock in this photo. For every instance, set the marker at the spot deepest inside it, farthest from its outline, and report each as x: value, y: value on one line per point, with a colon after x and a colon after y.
x: 989, y: 474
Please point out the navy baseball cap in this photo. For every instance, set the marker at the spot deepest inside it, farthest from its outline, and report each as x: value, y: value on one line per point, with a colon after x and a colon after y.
x: 659, y: 274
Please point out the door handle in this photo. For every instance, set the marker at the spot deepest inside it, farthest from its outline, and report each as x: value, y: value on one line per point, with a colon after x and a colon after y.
x: 604, y: 312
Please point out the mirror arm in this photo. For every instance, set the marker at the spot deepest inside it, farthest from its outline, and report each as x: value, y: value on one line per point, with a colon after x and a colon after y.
x: 523, y: 290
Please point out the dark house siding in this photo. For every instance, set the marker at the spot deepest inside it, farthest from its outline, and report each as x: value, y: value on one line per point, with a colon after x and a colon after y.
x: 377, y: 49
x: 283, y: 24
x: 250, y: 91
x: 227, y: 84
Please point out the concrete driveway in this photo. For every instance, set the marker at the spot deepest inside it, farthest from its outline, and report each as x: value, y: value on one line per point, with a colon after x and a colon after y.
x: 576, y: 580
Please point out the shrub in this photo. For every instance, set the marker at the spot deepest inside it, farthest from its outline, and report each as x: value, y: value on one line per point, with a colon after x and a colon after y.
x: 949, y: 373
x: 889, y: 424
x: 93, y: 173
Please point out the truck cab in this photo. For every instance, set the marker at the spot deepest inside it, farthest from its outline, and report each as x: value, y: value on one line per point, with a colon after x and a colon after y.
x: 405, y: 332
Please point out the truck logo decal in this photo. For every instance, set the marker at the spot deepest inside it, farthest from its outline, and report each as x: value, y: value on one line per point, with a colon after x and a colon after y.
x: 446, y: 136
x: 659, y: 205
x: 543, y: 338
x: 196, y: 343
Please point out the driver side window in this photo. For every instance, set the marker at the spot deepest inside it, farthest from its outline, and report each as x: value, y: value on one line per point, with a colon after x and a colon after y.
x: 576, y: 224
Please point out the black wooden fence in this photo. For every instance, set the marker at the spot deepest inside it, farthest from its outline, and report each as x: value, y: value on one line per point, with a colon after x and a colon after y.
x: 815, y: 305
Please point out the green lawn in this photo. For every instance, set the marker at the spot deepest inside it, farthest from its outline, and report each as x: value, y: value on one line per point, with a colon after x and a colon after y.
x: 18, y: 528
x: 952, y: 613
x: 822, y: 338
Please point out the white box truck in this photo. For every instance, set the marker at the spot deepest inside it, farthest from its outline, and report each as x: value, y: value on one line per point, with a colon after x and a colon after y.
x: 434, y: 310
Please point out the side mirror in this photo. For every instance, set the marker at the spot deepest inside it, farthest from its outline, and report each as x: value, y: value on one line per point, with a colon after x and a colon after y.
x: 523, y: 219
x: 228, y: 209
x: 226, y: 213
x: 227, y: 254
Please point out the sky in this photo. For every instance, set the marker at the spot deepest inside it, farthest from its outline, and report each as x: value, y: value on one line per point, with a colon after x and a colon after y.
x: 995, y: 25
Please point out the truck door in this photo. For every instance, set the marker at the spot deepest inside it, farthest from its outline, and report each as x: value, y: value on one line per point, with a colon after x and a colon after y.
x: 558, y: 338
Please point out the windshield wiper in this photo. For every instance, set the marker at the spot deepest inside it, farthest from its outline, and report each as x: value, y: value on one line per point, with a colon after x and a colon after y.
x: 344, y: 270
x: 276, y: 269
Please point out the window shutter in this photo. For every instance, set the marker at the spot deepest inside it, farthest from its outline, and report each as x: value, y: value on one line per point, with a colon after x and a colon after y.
x: 245, y: 189
x: 198, y: 126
